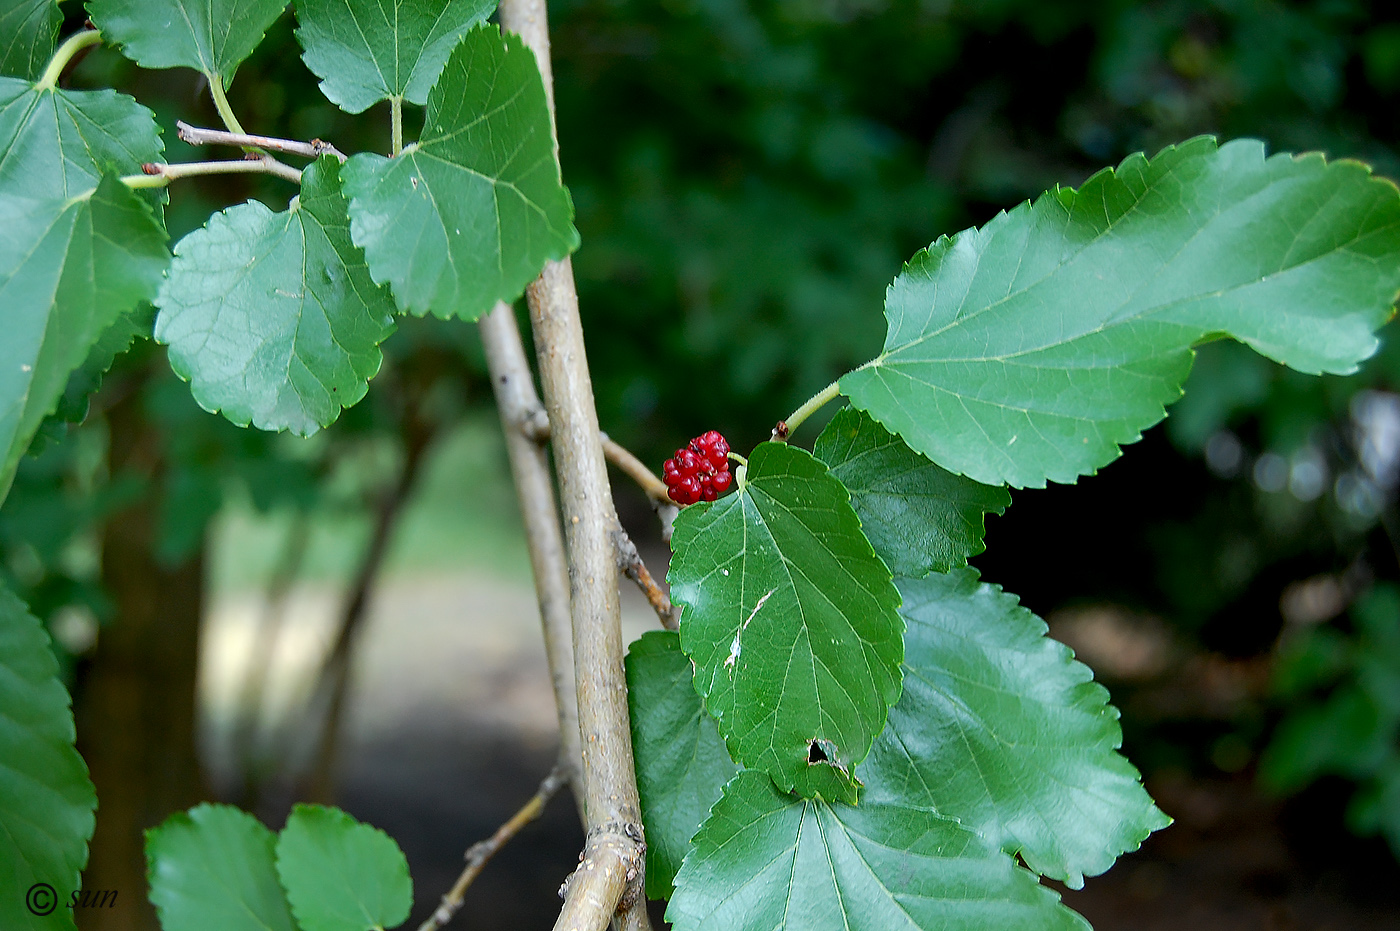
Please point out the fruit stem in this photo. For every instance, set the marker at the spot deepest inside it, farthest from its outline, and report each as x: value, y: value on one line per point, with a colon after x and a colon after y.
x: 813, y: 404
x: 65, y: 53
x: 636, y: 470
x: 738, y: 458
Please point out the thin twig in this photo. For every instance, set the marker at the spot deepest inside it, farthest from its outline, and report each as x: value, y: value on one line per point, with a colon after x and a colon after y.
x: 636, y: 470
x: 630, y: 561
x: 196, y: 135
x: 534, y: 423
x: 480, y: 853
x: 159, y: 174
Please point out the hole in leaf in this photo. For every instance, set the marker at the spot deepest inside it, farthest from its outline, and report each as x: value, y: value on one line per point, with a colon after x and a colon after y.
x: 817, y: 751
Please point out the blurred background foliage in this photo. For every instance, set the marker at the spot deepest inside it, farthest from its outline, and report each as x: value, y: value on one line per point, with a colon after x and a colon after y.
x: 749, y: 176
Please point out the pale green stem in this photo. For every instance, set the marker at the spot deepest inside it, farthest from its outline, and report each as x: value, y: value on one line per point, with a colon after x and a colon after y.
x: 167, y: 173
x: 216, y: 90
x: 738, y: 458
x: 813, y: 404
x: 396, y: 124
x: 75, y: 44
x: 136, y: 182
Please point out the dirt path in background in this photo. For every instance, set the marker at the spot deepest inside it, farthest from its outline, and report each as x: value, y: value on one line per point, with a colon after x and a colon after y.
x: 450, y: 728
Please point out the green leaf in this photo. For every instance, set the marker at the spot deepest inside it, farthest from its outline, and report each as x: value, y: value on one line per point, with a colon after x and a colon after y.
x: 764, y: 861
x: 73, y: 405
x: 71, y: 262
x: 1034, y: 347
x: 46, y: 798
x: 791, y: 620
x: 365, y: 51
x: 59, y: 143
x: 69, y: 269
x: 212, y: 36
x: 682, y: 765
x: 1000, y: 728
x: 28, y: 31
x: 919, y: 517
x: 272, y: 317
x: 212, y: 869
x: 341, y: 875
x: 470, y: 214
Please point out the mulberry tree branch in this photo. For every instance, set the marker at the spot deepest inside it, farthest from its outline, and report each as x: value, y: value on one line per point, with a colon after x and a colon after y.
x: 609, y: 778
x: 609, y: 880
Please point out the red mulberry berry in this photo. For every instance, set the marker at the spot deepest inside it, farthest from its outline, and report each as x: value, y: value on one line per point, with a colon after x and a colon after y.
x: 687, y: 490
x: 700, y: 471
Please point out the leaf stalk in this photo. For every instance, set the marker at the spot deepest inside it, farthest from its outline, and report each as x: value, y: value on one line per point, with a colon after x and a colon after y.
x: 813, y: 404
x: 65, y: 54
x: 216, y: 90
x: 396, y: 125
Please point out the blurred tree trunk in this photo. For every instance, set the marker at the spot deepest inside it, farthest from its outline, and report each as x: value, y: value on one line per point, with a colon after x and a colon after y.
x: 135, y: 703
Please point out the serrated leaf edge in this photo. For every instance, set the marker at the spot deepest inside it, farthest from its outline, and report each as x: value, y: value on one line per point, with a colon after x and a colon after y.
x: 1064, y: 654
x: 1065, y: 195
